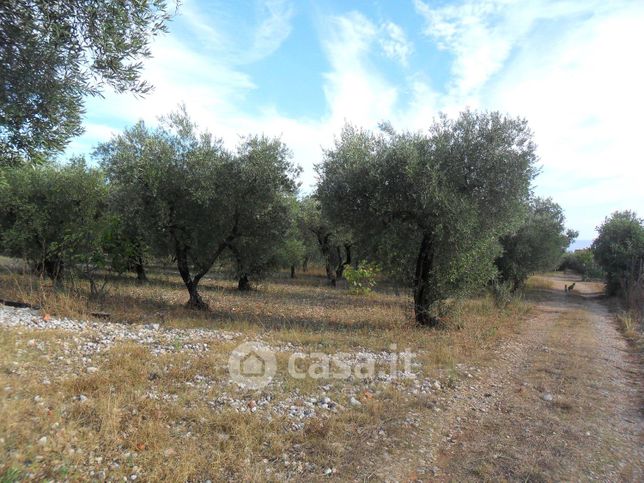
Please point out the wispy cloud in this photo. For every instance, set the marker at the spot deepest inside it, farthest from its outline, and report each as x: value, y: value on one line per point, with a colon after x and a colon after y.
x: 571, y: 68
x: 234, y: 40
x: 394, y: 43
x: 355, y: 90
x: 273, y: 29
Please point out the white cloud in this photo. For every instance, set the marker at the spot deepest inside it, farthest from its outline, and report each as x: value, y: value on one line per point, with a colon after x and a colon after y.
x: 394, y: 43
x: 571, y: 69
x: 354, y: 89
x: 201, y: 73
x: 236, y: 41
x: 273, y: 30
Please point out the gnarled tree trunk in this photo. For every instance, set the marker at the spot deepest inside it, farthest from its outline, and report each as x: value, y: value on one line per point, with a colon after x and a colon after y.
x: 330, y: 274
x: 325, y: 248
x: 244, y: 283
x: 423, y: 296
x: 195, y: 301
x: 53, y: 267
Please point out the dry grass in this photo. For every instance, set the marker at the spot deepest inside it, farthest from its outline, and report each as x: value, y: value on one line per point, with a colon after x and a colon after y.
x: 175, y: 434
x: 540, y: 282
x: 630, y: 323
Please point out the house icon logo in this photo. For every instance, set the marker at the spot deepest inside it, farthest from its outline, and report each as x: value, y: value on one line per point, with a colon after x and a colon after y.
x: 252, y: 365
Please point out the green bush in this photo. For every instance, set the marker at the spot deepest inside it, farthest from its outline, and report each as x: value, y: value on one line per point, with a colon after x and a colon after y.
x: 503, y: 292
x: 582, y: 262
x: 362, y: 279
x: 619, y: 250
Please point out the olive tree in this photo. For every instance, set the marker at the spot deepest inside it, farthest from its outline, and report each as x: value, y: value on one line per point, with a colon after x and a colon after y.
x: 54, y: 217
x: 196, y: 200
x: 619, y: 250
x: 536, y: 245
x: 291, y: 251
x: 431, y: 205
x: 264, y: 178
x: 54, y: 53
x: 334, y: 242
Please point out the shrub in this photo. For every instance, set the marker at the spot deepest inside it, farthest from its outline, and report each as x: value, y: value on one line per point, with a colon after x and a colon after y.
x: 363, y: 278
x: 619, y: 250
x: 582, y: 262
x: 503, y: 292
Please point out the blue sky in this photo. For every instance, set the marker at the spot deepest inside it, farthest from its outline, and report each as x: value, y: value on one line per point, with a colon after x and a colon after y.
x: 300, y: 69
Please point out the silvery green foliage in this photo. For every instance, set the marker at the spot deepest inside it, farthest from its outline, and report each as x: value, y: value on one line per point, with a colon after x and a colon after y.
x: 197, y: 201
x: 431, y: 205
x: 54, y: 53
x: 54, y: 217
x: 537, y: 245
x: 619, y: 250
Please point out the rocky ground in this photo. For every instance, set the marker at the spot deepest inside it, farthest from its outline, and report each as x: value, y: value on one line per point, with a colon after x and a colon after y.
x: 59, y: 352
x: 561, y: 400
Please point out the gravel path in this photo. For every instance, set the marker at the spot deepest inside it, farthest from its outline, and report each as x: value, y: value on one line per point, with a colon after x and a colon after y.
x: 562, y: 401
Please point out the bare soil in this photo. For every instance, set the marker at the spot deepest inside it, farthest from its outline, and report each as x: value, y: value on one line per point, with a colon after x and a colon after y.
x: 560, y: 401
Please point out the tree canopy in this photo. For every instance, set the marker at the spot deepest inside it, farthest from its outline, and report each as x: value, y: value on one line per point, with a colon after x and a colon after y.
x: 537, y: 245
x: 53, y: 53
x: 433, y: 205
x: 619, y: 250
x: 53, y: 216
x: 195, y: 199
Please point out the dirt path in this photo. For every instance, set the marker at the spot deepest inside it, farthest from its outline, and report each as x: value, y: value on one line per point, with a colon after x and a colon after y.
x: 561, y: 401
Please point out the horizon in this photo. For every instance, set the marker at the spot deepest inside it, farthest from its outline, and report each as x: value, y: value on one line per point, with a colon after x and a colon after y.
x: 300, y: 70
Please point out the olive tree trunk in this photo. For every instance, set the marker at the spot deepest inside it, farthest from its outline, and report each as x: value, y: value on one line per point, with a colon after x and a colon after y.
x: 325, y: 249
x: 53, y: 267
x: 424, y: 296
x: 195, y: 301
x: 244, y: 283
x: 343, y: 263
x: 139, y: 268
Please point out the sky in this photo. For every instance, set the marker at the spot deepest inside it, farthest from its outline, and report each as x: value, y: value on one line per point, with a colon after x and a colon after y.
x: 300, y: 69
